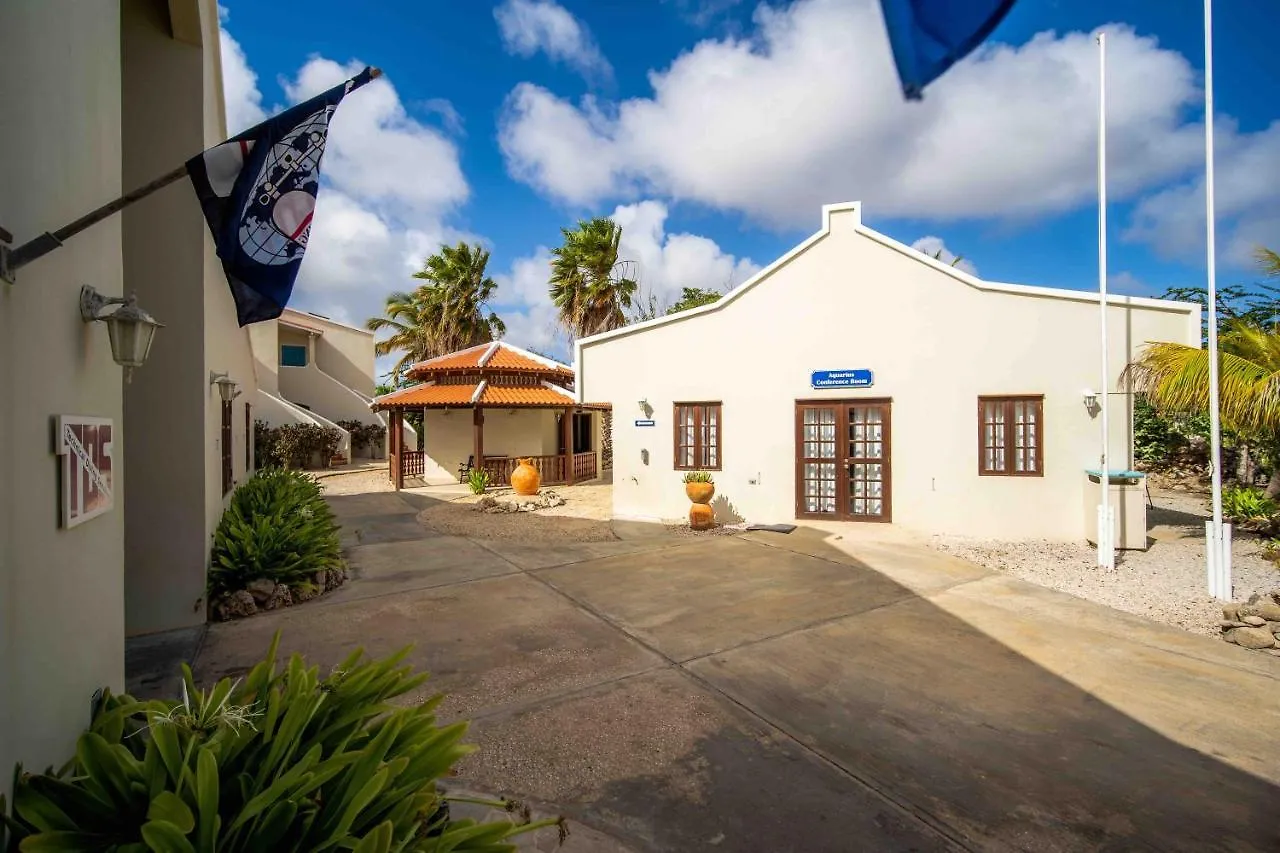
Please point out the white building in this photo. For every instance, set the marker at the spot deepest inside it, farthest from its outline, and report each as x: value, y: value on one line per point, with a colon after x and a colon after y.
x: 315, y: 370
x: 857, y: 379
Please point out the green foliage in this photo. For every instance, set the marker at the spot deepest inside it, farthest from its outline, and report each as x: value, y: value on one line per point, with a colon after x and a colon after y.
x: 294, y: 445
x: 364, y: 435
x: 284, y: 761
x: 277, y: 526
x: 1243, y: 504
x: 698, y: 477
x: 589, y: 285
x: 478, y: 480
x: 694, y: 297
x: 1152, y: 436
x: 443, y: 315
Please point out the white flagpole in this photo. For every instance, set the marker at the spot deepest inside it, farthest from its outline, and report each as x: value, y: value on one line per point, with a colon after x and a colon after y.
x: 1106, y: 543
x: 1218, y: 536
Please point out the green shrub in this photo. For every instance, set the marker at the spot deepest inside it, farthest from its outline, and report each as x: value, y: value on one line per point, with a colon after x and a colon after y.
x: 698, y: 477
x: 294, y: 445
x: 277, y: 526
x: 364, y: 435
x: 283, y: 761
x: 478, y: 480
x: 1243, y: 504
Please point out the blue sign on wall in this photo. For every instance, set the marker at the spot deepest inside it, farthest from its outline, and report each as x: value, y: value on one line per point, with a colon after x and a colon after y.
x: 860, y: 378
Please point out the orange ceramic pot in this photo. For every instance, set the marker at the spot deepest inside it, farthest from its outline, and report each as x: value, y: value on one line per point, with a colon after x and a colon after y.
x: 700, y: 493
x: 525, y: 479
x: 701, y: 517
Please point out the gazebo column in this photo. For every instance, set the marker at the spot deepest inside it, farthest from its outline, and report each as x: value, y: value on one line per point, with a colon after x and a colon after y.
x: 566, y: 425
x: 477, y: 419
x: 397, y: 442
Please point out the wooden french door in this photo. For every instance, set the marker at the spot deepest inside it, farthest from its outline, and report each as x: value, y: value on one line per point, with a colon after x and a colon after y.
x: 843, y: 460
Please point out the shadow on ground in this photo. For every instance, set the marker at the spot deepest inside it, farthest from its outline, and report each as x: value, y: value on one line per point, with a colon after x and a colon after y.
x: 768, y: 692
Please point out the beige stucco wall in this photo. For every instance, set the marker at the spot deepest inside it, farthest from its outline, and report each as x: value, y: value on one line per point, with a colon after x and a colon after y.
x: 172, y: 108
x: 342, y: 351
x: 450, y: 439
x: 935, y: 343
x: 61, y: 591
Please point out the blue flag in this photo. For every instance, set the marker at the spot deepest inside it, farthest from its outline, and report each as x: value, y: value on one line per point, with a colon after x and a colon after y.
x: 929, y: 36
x: 258, y: 191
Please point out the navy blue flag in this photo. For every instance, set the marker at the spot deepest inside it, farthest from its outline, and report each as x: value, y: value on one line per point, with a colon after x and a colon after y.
x: 929, y: 36
x: 258, y: 191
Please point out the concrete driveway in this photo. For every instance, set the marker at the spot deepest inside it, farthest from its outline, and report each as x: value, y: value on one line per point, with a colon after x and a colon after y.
x: 770, y: 692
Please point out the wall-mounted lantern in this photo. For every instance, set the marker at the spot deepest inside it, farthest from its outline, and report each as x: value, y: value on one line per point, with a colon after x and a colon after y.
x: 228, y: 389
x: 129, y: 328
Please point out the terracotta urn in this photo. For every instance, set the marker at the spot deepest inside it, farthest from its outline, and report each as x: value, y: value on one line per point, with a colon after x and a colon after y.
x: 700, y: 493
x: 701, y: 516
x: 525, y: 479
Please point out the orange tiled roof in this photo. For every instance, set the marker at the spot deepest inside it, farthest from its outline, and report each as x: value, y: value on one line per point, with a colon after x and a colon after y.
x: 503, y: 357
x: 435, y: 396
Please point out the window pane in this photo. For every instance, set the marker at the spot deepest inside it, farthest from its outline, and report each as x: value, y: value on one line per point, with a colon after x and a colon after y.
x: 293, y: 356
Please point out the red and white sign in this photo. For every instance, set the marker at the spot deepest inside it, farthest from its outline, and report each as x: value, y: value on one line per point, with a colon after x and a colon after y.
x: 84, y: 447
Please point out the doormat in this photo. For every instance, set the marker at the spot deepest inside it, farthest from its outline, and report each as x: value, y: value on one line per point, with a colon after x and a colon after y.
x: 772, y: 528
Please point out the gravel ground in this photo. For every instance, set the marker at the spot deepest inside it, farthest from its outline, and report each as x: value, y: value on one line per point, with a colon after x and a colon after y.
x: 1165, y: 583
x: 357, y: 482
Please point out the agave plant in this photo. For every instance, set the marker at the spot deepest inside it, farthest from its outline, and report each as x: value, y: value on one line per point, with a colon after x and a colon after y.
x: 285, y: 760
x: 478, y: 480
x: 698, y: 477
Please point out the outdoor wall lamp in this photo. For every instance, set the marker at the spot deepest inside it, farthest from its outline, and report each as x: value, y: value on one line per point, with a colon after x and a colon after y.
x: 1090, y: 398
x: 129, y: 328
x: 228, y: 388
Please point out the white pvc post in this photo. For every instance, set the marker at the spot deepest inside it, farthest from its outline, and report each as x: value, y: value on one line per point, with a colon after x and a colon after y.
x: 1217, y: 535
x: 1106, y: 530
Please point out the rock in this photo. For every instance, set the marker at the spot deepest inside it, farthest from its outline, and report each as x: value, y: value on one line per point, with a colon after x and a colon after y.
x: 1255, y: 621
x: 237, y: 605
x: 1227, y: 624
x: 280, y: 597
x: 1231, y: 611
x: 1178, y: 487
x: 261, y: 589
x: 1267, y: 609
x: 334, y: 579
x: 1251, y: 638
x: 318, y: 579
x: 486, y: 502
x: 491, y: 510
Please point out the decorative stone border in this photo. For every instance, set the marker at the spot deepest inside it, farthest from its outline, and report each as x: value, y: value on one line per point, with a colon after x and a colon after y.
x: 265, y: 594
x: 1253, y: 624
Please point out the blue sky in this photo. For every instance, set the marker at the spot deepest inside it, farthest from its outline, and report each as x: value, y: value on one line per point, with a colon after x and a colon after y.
x: 714, y: 130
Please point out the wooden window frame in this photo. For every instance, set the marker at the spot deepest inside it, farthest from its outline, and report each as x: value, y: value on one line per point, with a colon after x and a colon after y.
x: 699, y: 407
x: 1010, y: 443
x: 228, y: 467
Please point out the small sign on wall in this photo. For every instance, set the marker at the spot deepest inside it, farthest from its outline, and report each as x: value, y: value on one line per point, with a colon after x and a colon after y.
x: 644, y: 422
x: 859, y: 378
x: 84, y: 446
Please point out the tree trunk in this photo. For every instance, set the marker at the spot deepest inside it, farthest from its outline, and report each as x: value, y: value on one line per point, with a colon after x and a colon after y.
x: 1244, y: 465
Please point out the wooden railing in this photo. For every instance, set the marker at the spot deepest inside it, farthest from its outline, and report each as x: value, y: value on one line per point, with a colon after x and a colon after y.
x: 413, y: 462
x: 584, y: 466
x: 550, y: 469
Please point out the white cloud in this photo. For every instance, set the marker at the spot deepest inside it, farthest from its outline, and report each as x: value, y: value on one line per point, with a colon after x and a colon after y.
x: 934, y: 247
x: 1246, y: 202
x: 702, y: 12
x: 529, y: 26
x: 808, y: 110
x: 663, y: 263
x: 243, y: 101
x: 378, y: 152
x: 1128, y: 283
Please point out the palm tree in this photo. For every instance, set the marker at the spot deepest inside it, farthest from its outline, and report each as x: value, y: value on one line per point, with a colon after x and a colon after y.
x: 589, y: 285
x: 443, y: 315
x: 1175, y: 380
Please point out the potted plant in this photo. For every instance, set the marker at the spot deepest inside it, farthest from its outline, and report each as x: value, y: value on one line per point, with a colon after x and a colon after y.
x: 700, y: 488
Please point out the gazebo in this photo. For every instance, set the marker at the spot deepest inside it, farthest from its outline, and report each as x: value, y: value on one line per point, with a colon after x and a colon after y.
x: 520, y: 405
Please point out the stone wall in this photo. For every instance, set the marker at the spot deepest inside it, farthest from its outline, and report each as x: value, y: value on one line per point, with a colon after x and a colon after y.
x: 1253, y: 624
x: 606, y: 440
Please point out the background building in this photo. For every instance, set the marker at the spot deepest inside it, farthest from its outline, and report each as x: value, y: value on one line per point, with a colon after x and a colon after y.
x: 962, y: 408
